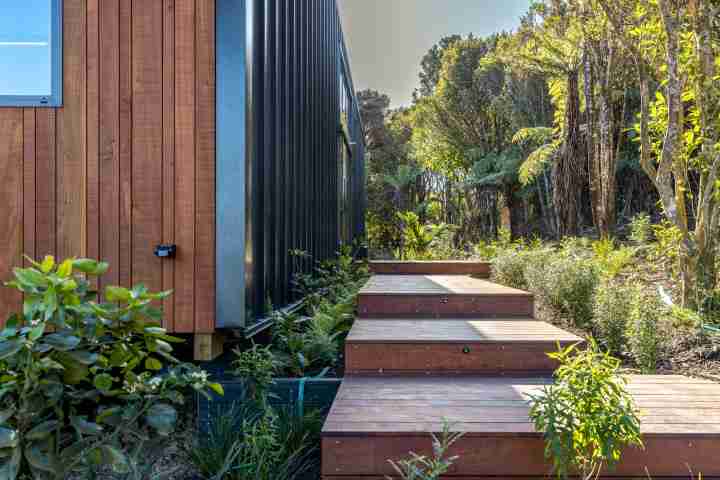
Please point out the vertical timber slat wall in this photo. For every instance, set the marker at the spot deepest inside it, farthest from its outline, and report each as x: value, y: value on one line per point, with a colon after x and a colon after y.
x: 12, y: 142
x: 128, y: 161
x: 295, y: 53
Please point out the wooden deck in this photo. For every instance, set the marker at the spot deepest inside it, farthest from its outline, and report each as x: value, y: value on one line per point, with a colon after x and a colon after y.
x: 484, y: 347
x: 440, y: 296
x: 444, y: 267
x: 379, y: 418
x: 423, y: 352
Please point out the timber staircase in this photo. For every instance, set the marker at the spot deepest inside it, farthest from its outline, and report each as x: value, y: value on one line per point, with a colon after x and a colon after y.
x: 433, y: 341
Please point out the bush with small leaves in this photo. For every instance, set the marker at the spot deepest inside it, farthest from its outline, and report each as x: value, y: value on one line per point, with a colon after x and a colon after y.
x: 613, y: 304
x: 567, y: 284
x: 667, y: 246
x: 587, y: 416
x: 647, y: 330
x: 80, y: 378
x: 509, y: 268
x: 640, y: 228
x: 611, y: 260
x: 491, y: 249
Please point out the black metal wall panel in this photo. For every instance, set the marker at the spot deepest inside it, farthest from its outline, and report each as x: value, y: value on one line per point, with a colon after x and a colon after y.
x: 296, y: 57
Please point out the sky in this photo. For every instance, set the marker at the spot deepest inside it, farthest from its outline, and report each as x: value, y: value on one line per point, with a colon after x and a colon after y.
x: 25, y: 47
x: 388, y: 38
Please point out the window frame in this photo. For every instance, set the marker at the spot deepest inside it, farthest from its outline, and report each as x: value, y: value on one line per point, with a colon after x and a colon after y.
x: 55, y: 99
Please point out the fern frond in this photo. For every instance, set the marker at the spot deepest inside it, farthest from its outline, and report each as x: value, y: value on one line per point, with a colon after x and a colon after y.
x: 533, y: 135
x: 536, y: 162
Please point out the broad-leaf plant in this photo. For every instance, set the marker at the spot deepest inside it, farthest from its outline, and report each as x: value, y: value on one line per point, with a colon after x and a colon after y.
x: 587, y: 416
x: 86, y: 384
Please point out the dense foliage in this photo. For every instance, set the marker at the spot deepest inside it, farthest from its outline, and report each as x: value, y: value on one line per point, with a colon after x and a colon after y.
x: 87, y: 384
x: 252, y: 441
x: 591, y: 112
x: 620, y: 293
x: 310, y: 342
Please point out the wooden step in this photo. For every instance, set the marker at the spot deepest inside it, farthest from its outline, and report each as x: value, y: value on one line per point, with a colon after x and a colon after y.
x: 434, y: 267
x: 483, y: 347
x: 440, y: 296
x: 375, y: 419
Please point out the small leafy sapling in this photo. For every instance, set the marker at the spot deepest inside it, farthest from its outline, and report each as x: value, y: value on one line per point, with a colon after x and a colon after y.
x: 587, y: 416
x: 85, y: 384
x: 256, y: 366
x: 422, y: 467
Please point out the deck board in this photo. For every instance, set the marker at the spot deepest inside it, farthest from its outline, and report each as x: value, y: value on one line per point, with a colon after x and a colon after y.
x: 435, y: 285
x: 431, y: 267
x: 376, y: 418
x: 482, y: 347
x: 457, y: 331
x: 398, y: 404
x: 441, y: 296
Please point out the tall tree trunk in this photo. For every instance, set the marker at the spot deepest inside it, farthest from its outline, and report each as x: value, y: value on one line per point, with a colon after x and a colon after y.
x: 593, y: 151
x: 670, y: 175
x: 708, y: 103
x: 568, y: 167
x: 599, y: 66
x: 607, y: 158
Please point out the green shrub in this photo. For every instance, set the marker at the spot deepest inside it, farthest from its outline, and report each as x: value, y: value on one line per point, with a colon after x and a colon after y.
x: 310, y: 346
x: 587, y: 416
x: 443, y: 245
x: 334, y: 317
x: 421, y: 467
x: 86, y: 384
x: 613, y: 304
x: 212, y: 450
x: 330, y: 280
x: 647, y: 330
x: 510, y: 267
x: 246, y: 443
x: 710, y: 307
x: 567, y: 284
x: 666, y: 248
x: 418, y: 240
x: 253, y: 440
x: 491, y: 249
x: 577, y: 246
x: 256, y: 366
x: 640, y: 228
x: 610, y: 259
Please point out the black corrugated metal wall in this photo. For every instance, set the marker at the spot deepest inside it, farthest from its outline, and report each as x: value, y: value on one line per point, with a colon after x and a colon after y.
x: 296, y: 59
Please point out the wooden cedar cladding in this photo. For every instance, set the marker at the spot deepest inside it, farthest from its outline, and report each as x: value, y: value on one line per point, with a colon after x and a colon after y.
x: 128, y: 162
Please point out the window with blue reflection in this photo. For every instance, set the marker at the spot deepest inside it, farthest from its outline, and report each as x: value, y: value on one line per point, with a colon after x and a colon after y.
x: 31, y: 53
